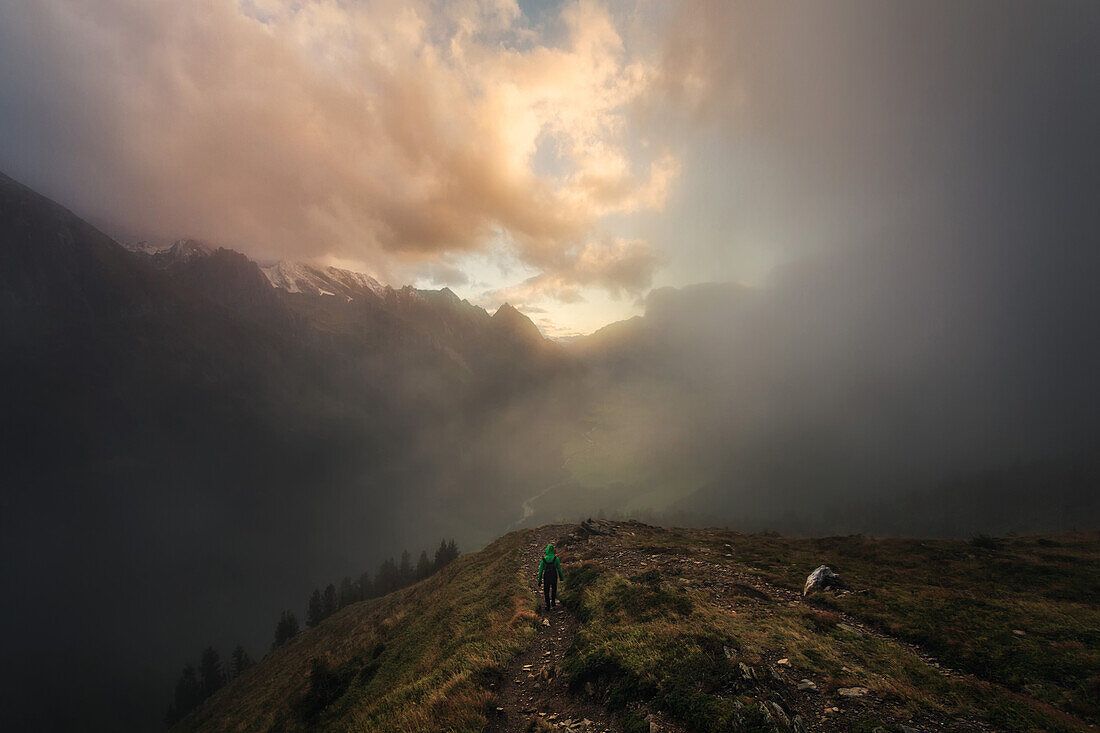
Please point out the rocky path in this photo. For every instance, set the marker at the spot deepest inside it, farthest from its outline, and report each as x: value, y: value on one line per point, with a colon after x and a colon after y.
x: 533, y: 694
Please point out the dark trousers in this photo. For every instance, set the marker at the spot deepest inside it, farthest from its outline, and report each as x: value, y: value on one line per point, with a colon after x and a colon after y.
x: 550, y: 589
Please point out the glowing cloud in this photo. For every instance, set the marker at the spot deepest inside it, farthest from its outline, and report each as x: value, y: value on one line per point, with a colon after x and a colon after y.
x: 390, y: 133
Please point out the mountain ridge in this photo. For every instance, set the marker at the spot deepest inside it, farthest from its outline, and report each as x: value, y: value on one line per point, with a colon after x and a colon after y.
x: 155, y: 417
x: 678, y: 630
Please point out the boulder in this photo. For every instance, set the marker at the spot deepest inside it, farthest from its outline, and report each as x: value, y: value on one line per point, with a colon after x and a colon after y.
x: 821, y: 579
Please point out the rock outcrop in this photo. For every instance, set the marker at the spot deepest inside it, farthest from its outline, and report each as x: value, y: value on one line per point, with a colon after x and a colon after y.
x: 821, y: 579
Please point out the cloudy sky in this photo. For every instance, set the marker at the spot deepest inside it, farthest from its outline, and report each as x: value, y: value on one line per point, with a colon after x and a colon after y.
x: 563, y: 156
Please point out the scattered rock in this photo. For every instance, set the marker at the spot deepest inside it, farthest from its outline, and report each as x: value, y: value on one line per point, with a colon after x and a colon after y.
x: 807, y: 686
x: 821, y: 579
x: 600, y: 528
x: 1019, y: 632
x: 780, y: 714
x: 546, y: 622
x: 852, y: 691
x: 784, y: 662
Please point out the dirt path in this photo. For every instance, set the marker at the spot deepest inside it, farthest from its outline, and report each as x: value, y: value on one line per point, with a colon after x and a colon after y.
x: 534, y: 695
x: 534, y: 690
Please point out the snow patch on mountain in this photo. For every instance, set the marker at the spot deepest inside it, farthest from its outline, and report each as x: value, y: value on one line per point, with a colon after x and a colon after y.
x: 299, y: 277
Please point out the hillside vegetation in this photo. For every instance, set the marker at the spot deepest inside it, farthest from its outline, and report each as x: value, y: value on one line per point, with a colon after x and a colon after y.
x: 704, y: 630
x: 709, y: 628
x: 415, y: 660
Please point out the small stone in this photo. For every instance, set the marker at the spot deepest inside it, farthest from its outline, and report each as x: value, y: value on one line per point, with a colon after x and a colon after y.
x: 807, y: 686
x: 784, y: 662
x: 852, y: 691
x: 546, y: 622
x: 1019, y: 632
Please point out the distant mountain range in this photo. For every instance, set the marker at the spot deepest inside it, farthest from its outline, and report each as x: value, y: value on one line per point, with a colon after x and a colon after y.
x: 186, y: 446
x: 192, y: 439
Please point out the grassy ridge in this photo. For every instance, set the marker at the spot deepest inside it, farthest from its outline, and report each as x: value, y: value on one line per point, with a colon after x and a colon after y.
x: 667, y: 623
x: 651, y: 642
x: 1021, y: 612
x: 642, y: 643
x: 415, y: 660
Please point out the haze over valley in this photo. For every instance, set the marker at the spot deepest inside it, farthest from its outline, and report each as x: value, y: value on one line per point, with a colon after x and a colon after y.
x: 287, y: 289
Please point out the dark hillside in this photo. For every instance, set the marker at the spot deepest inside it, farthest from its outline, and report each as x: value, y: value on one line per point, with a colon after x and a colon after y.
x: 146, y: 430
x: 419, y: 659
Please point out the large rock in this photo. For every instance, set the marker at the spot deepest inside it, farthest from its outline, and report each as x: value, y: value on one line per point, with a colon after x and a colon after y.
x: 821, y: 579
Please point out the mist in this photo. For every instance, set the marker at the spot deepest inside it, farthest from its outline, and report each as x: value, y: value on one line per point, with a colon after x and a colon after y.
x: 844, y: 260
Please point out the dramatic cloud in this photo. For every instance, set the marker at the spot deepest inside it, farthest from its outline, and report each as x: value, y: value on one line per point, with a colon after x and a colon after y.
x: 612, y: 264
x: 384, y: 132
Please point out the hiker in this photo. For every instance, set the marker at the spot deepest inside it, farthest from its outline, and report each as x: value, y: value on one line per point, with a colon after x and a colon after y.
x: 549, y: 572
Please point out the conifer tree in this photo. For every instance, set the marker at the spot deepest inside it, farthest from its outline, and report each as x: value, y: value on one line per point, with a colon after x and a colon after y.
x: 211, y: 674
x: 315, y: 614
x: 188, y: 695
x: 441, y: 555
x: 347, y: 592
x: 366, y: 587
x: 423, y: 566
x: 405, y: 570
x: 330, y: 604
x: 386, y: 580
x: 286, y: 629
x: 240, y: 662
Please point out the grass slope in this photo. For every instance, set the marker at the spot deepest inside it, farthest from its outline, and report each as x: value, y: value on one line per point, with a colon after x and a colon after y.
x: 415, y: 660
x: 706, y: 628
x: 666, y: 626
x: 1022, y: 612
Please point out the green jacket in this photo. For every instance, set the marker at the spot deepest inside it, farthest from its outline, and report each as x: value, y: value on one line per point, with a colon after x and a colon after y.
x: 550, y: 560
